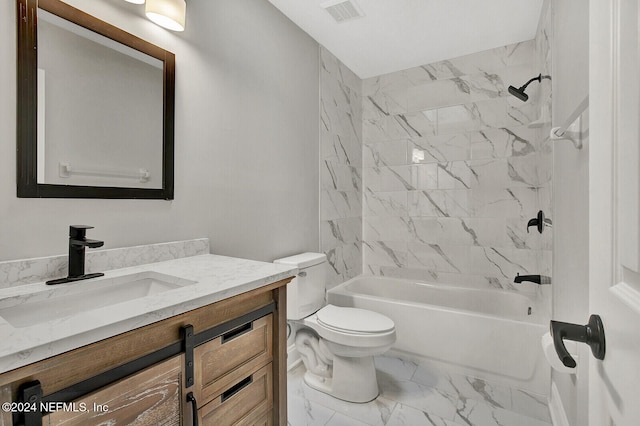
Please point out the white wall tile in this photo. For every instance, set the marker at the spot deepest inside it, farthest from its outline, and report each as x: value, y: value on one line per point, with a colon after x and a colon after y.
x: 472, y: 231
x: 502, y: 142
x: 458, y: 214
x: 440, y: 203
x: 440, y: 149
x: 425, y: 230
x: 383, y: 253
x: 492, y: 60
x: 386, y: 228
x: 439, y: 258
x: 377, y: 203
x: 340, y: 177
x: 393, y: 178
x: 340, y: 169
x: 338, y: 232
x: 383, y: 129
x: 340, y: 204
x: 424, y: 176
x: 508, y: 202
x: 380, y: 154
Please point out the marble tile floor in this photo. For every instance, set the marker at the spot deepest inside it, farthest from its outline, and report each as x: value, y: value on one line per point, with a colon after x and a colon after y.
x: 418, y: 394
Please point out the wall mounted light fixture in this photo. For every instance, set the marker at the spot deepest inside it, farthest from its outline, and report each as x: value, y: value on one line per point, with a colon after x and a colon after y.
x: 169, y: 14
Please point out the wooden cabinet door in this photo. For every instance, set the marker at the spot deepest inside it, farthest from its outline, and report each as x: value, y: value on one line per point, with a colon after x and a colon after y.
x: 154, y: 396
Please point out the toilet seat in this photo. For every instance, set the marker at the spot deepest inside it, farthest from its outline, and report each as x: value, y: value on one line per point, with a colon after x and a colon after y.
x: 354, y: 320
x: 340, y: 325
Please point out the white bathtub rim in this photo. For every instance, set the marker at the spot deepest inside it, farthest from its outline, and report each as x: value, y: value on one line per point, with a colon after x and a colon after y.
x: 524, y: 291
x: 539, y: 316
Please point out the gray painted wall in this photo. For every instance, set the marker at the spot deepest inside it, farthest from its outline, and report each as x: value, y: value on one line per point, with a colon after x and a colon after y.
x: 246, y: 140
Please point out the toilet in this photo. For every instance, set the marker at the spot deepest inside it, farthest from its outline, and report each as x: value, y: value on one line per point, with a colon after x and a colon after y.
x: 336, y: 344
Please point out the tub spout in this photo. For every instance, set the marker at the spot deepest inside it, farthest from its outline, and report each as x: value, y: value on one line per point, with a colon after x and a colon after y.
x: 538, y: 279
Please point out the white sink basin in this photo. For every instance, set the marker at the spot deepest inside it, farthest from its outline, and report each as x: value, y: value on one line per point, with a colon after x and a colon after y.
x: 70, y: 299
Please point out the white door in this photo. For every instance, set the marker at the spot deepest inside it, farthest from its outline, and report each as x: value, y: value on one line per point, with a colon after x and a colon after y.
x: 614, y: 209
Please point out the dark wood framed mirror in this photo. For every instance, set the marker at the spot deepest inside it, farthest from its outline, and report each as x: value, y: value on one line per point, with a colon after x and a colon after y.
x: 96, y: 123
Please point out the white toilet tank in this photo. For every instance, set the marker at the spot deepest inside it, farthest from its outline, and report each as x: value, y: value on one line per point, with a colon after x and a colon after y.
x: 305, y: 293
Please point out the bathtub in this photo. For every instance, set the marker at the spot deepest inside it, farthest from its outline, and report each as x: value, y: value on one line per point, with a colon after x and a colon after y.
x: 489, y: 334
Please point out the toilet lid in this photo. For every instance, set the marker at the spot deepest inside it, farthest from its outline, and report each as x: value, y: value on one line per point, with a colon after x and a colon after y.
x: 354, y: 320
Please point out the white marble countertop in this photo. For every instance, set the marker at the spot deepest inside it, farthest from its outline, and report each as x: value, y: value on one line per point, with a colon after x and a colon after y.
x: 216, y: 278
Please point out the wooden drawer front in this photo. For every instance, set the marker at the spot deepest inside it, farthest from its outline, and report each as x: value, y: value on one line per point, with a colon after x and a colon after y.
x: 150, y: 397
x: 232, y: 357
x: 241, y: 405
x: 257, y: 418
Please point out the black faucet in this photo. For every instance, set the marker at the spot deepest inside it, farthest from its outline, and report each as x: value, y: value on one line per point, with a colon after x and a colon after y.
x: 77, y: 244
x: 538, y: 279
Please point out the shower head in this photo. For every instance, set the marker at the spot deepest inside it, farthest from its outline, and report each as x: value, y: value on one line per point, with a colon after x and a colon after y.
x: 519, y: 93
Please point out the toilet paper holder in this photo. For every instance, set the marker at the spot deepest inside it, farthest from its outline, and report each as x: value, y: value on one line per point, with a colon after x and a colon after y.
x: 592, y: 334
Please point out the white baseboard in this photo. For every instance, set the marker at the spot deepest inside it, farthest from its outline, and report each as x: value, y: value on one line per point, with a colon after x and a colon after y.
x: 293, y: 357
x: 558, y: 415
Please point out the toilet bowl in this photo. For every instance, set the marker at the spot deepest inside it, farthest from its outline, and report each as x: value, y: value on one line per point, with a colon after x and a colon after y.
x: 336, y: 344
x: 339, y: 360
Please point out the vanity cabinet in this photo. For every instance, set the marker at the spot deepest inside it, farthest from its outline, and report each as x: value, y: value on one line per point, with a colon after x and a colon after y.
x: 153, y: 396
x: 224, y: 363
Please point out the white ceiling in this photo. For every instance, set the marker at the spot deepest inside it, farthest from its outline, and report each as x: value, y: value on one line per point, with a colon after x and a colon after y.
x: 399, y: 34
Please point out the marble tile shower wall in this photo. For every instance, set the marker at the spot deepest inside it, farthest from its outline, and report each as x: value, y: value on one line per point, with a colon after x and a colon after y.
x: 340, y: 169
x: 452, y: 172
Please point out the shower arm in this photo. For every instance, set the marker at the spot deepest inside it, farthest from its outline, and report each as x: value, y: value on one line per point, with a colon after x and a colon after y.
x: 539, y: 79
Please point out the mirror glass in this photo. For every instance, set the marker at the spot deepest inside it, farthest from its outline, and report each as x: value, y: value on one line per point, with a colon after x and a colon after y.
x: 99, y: 104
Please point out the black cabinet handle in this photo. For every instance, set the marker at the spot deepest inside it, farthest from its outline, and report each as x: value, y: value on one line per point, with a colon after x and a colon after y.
x: 236, y: 388
x: 236, y: 332
x: 194, y: 407
x: 592, y: 334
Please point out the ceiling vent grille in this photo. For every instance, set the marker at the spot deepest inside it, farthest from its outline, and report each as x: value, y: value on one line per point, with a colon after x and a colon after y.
x: 342, y: 10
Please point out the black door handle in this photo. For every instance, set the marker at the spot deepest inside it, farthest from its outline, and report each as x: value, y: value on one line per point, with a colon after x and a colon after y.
x: 194, y: 407
x: 592, y: 334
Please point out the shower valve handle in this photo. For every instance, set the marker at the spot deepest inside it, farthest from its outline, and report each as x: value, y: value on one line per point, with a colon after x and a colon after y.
x: 540, y: 221
x: 592, y: 334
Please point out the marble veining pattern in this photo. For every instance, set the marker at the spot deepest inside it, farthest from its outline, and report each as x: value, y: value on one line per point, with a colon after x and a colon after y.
x: 19, y: 272
x: 341, y: 169
x: 418, y: 394
x: 214, y: 278
x: 452, y: 171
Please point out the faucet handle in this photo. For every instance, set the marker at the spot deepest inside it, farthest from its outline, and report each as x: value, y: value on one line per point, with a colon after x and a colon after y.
x: 78, y: 231
x: 540, y: 221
